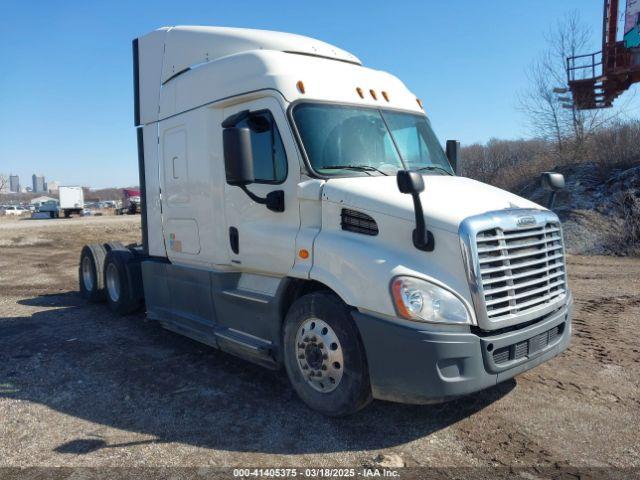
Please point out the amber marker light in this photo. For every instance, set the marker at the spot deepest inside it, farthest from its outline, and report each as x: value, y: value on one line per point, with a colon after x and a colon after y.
x: 396, y: 291
x: 304, y: 254
x: 373, y: 94
x: 419, y: 102
x: 300, y: 86
x: 384, y: 94
x: 360, y: 92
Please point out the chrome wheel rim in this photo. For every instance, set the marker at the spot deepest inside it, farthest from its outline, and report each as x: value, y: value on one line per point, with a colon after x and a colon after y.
x: 113, y: 282
x: 87, y: 274
x: 319, y: 355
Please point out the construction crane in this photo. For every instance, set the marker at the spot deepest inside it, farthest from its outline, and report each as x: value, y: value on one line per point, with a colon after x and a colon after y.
x: 597, y: 79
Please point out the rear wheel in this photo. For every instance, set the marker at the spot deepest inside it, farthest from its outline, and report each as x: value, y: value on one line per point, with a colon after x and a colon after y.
x: 120, y: 294
x: 324, y: 356
x: 90, y: 272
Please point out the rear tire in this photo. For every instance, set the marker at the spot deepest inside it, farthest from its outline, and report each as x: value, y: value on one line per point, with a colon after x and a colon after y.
x: 324, y: 356
x: 118, y: 290
x: 90, y: 272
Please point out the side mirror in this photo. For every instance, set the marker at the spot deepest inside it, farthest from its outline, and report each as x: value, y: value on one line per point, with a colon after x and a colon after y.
x: 238, y: 164
x: 453, y: 153
x: 413, y: 183
x: 410, y: 182
x: 238, y: 156
x: 553, y: 182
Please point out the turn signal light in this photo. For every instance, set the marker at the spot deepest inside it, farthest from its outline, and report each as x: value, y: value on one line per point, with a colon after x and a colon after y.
x: 300, y: 86
x: 304, y: 254
x: 419, y: 103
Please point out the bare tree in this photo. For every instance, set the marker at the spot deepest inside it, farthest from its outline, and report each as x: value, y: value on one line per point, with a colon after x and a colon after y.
x: 4, y: 183
x: 548, y: 117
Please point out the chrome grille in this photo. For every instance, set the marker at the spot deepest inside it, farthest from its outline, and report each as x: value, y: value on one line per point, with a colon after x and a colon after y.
x: 520, y: 269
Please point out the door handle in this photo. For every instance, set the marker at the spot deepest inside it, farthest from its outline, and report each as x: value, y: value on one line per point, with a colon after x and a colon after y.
x: 234, y: 240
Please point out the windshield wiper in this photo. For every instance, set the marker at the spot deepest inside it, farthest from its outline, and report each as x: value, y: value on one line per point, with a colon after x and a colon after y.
x: 360, y: 168
x: 434, y: 167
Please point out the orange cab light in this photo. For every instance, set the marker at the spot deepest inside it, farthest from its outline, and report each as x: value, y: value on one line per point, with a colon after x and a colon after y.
x: 300, y: 86
x: 384, y: 94
x: 396, y: 291
x: 304, y: 254
x: 419, y: 103
x: 360, y: 92
x: 373, y: 94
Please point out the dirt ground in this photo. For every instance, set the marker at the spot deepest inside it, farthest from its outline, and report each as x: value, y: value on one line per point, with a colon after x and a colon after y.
x: 80, y: 386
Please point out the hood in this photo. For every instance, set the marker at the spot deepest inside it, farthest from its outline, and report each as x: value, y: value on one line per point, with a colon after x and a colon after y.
x: 446, y: 200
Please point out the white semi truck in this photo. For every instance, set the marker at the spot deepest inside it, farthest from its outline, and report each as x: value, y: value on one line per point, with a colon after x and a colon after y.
x: 298, y: 211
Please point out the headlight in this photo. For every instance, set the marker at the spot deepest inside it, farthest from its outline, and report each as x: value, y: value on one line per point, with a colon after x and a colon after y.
x: 417, y: 299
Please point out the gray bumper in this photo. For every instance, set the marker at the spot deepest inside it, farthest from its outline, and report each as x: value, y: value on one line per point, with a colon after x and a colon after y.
x: 410, y: 364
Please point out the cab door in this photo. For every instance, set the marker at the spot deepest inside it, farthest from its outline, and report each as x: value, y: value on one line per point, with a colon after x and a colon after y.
x: 262, y: 240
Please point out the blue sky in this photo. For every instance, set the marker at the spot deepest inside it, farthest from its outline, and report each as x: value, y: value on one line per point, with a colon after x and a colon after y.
x: 66, y: 102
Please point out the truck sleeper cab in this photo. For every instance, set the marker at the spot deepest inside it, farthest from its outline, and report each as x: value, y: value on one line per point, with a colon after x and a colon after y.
x: 299, y: 211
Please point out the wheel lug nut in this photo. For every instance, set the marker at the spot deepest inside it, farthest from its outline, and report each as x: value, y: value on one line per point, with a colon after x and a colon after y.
x: 321, y: 345
x: 301, y: 345
x: 324, y: 367
x: 301, y: 357
x: 306, y: 339
x: 325, y: 356
x: 313, y: 339
x: 305, y: 367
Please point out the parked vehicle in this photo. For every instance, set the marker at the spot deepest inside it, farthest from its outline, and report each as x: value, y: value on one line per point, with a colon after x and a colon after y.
x: 130, y: 202
x: 50, y: 207
x: 298, y: 211
x: 71, y: 200
x: 13, y: 210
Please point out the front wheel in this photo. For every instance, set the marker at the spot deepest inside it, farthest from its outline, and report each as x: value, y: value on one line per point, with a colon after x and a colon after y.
x: 324, y: 356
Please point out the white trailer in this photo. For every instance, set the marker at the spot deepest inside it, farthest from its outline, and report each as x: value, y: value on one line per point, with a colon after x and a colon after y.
x: 298, y: 211
x: 71, y: 200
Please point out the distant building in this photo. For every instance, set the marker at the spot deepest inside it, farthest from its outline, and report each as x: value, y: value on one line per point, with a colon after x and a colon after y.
x: 43, y: 199
x: 38, y: 183
x: 4, y: 184
x: 14, y: 183
x: 53, y: 186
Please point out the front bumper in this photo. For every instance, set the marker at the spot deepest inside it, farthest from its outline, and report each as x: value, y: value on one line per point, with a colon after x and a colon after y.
x: 410, y: 363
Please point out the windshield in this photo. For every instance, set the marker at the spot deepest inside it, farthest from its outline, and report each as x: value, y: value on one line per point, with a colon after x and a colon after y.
x: 348, y: 140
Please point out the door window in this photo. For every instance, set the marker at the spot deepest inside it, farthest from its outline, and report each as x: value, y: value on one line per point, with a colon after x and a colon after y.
x: 269, y: 158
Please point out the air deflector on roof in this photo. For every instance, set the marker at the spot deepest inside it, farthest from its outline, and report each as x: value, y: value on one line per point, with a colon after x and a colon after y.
x: 188, y: 46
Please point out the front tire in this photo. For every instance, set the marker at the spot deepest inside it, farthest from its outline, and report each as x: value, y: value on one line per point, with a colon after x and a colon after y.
x: 324, y: 356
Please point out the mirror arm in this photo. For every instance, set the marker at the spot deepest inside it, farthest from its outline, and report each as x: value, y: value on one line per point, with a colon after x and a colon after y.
x: 422, y: 238
x: 253, y: 196
x: 274, y: 200
x: 552, y: 197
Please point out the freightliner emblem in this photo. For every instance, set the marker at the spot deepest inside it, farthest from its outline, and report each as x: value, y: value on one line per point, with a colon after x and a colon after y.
x: 526, y: 221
